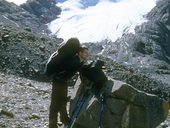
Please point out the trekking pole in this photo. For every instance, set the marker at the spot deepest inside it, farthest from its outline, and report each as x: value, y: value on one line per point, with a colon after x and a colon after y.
x: 101, y: 112
x: 79, y: 100
x: 74, y: 120
x: 80, y: 106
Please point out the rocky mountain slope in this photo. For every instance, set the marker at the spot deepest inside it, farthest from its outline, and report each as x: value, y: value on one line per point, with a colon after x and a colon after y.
x: 24, y: 37
x: 25, y: 53
x: 25, y: 103
x: 146, y: 51
x: 32, y: 15
x: 45, y: 10
x: 140, y: 59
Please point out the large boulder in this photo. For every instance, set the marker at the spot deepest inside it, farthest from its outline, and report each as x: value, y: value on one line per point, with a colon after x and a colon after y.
x: 124, y: 107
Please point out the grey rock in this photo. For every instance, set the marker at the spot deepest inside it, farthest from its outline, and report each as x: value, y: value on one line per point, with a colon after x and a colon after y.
x: 28, y: 29
x: 125, y: 107
x: 42, y: 48
x: 6, y: 113
x: 34, y: 116
x: 5, y: 37
x: 29, y: 84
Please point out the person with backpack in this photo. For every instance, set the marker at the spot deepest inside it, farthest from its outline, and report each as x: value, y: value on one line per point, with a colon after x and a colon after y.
x: 62, y: 66
x: 93, y: 83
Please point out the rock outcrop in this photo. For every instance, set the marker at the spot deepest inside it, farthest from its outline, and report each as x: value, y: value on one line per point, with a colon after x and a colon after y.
x: 32, y: 15
x: 16, y: 16
x: 45, y: 10
x: 124, y: 107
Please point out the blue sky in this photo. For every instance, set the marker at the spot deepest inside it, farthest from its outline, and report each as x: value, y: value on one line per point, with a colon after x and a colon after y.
x: 60, y: 1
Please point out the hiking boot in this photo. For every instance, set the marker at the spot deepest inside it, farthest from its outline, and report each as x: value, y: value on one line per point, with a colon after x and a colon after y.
x: 59, y: 123
x: 53, y: 126
x: 66, y: 122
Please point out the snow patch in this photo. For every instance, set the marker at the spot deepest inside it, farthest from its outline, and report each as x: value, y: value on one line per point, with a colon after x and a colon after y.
x: 108, y: 19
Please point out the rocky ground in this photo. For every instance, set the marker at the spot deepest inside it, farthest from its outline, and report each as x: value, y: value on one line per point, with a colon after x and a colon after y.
x: 24, y: 103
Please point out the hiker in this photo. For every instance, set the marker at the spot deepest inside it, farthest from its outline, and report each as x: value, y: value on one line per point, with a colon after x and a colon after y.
x: 69, y: 63
x: 93, y: 82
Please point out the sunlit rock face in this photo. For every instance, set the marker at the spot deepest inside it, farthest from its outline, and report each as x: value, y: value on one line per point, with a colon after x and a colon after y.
x: 124, y: 107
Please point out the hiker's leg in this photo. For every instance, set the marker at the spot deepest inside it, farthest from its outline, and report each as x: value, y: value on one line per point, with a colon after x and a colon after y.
x: 63, y: 110
x: 54, y: 106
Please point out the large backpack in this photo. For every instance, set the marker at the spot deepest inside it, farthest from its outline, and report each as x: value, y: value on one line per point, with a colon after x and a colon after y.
x: 94, y: 73
x: 55, y: 62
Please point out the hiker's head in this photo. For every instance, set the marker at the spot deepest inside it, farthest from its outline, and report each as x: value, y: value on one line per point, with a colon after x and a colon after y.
x: 83, y: 53
x: 73, y: 40
x: 72, y: 46
x: 73, y: 43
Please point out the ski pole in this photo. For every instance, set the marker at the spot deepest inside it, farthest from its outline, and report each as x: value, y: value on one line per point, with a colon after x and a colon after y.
x: 101, y: 112
x: 79, y: 109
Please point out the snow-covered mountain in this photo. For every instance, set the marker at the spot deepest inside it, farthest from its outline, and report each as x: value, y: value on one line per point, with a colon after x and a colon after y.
x: 96, y: 20
x: 93, y: 21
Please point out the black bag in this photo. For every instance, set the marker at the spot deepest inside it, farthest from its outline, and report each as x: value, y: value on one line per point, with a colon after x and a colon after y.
x: 94, y: 73
x: 55, y: 62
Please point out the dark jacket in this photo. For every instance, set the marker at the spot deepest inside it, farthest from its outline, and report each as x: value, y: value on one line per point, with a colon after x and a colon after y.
x: 68, y: 68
